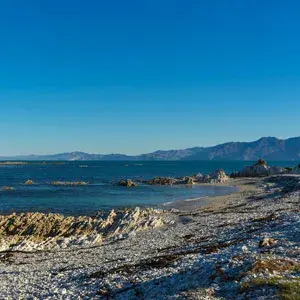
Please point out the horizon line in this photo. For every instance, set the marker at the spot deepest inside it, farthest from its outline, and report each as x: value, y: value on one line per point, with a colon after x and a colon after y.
x: 136, y: 155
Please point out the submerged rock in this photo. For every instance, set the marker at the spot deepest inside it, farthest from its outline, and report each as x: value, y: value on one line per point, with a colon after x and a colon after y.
x: 162, y: 181
x: 127, y: 183
x: 29, y: 182
x: 7, y: 188
x: 69, y: 183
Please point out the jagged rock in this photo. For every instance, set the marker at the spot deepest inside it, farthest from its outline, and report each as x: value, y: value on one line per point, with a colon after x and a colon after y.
x: 261, y: 162
x: 29, y: 231
x: 218, y: 176
x: 198, y: 177
x: 259, y: 169
x: 189, y: 180
x: 254, y: 171
x: 127, y: 183
x: 185, y: 180
x: 267, y: 242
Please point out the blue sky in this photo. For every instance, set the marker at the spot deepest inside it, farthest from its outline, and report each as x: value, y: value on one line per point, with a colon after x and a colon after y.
x: 136, y: 76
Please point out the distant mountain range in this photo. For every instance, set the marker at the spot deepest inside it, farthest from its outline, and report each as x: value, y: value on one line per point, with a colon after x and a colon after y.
x: 269, y: 148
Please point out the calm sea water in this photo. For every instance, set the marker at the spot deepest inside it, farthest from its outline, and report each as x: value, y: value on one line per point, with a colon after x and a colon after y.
x: 102, y: 191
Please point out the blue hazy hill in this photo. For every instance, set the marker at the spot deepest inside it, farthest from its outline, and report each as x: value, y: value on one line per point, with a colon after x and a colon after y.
x: 269, y: 148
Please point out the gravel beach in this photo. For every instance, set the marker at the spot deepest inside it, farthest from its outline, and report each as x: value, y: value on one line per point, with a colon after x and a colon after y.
x: 245, y: 245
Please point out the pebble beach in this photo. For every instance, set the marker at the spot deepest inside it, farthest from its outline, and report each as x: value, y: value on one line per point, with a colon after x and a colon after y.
x: 245, y: 245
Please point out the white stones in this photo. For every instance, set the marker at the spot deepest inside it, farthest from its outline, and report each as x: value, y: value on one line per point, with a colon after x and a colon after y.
x: 231, y: 237
x: 245, y: 249
x: 63, y: 291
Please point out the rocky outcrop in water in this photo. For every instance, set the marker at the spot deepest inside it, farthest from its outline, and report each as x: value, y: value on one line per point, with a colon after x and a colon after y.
x: 161, y: 181
x: 29, y: 182
x: 188, y: 180
x: 218, y: 176
x: 69, y: 183
x: 127, y: 183
x: 7, y: 188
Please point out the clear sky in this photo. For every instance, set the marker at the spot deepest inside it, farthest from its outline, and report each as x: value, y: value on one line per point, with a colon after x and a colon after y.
x: 137, y: 76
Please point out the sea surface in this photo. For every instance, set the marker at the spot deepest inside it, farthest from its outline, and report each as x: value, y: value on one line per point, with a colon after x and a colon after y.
x: 102, y: 192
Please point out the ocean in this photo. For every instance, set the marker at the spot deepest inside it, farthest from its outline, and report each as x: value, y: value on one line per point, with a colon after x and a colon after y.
x: 102, y: 191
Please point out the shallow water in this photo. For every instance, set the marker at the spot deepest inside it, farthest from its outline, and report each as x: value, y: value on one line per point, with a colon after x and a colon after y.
x: 102, y: 191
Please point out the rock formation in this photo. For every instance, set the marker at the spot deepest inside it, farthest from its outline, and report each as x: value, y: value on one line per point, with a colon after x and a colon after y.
x: 218, y: 176
x: 69, y: 183
x: 29, y: 182
x: 127, y: 183
x: 296, y: 170
x: 43, y: 231
x: 259, y: 169
x: 162, y: 181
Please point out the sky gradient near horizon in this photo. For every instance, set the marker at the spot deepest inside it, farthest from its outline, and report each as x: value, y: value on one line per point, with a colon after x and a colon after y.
x: 137, y: 76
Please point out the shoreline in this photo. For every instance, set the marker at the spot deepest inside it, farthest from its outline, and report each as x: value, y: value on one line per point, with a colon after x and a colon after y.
x: 240, y: 187
x: 168, y: 205
x: 220, y: 251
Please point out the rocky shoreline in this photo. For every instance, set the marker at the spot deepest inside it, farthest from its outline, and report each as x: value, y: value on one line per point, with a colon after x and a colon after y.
x: 240, y: 246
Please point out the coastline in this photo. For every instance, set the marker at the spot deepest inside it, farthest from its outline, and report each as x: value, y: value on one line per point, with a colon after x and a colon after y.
x: 211, y: 252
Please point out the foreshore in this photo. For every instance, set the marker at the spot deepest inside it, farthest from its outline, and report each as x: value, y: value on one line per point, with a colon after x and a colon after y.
x: 236, y: 187
x: 240, y: 246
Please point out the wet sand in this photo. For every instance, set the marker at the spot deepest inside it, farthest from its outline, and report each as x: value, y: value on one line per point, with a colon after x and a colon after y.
x: 238, y: 189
